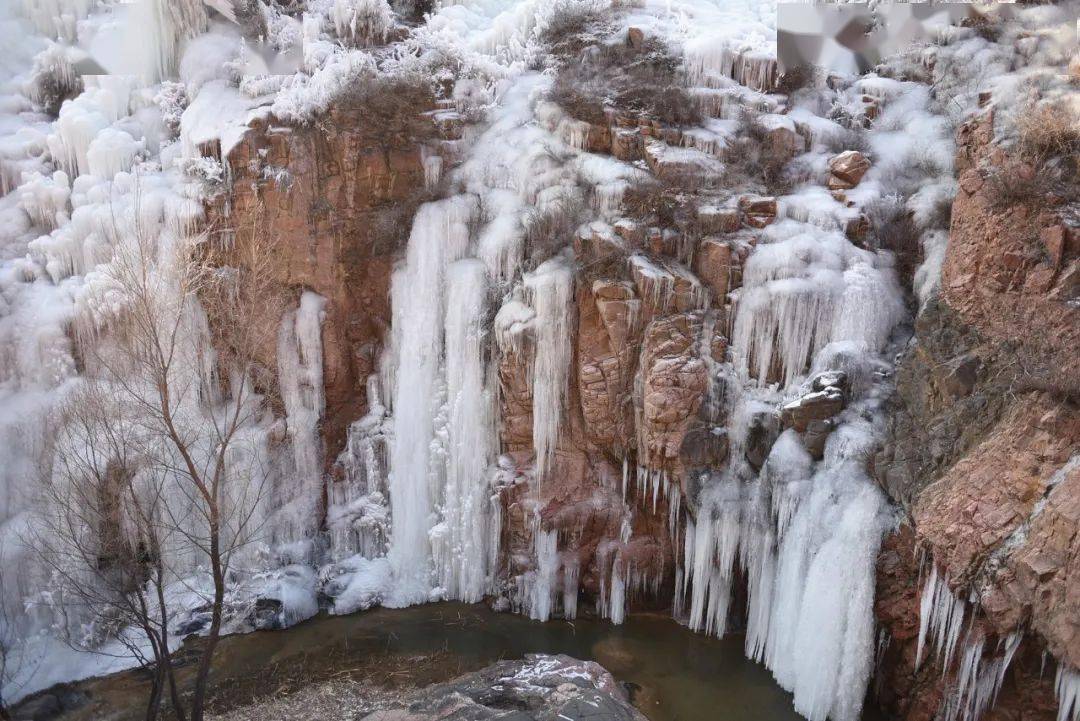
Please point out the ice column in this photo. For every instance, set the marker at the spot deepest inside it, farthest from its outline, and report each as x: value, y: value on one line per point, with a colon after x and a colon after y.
x: 551, y: 291
x: 461, y: 546
x: 440, y: 235
x: 300, y: 368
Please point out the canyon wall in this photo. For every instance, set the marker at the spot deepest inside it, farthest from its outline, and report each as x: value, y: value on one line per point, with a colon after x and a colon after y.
x: 591, y: 310
x: 981, y: 416
x: 984, y: 434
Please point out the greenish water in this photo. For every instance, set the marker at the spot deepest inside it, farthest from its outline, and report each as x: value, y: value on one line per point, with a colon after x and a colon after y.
x: 672, y: 674
x: 675, y: 675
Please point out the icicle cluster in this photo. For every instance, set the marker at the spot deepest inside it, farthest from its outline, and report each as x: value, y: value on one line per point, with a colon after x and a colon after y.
x: 300, y: 374
x: 550, y: 288
x: 1067, y: 685
x: 978, y: 677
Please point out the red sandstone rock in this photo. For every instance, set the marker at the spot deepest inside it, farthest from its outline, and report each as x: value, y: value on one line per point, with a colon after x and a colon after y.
x: 627, y: 144
x: 995, y: 489
x: 714, y: 220
x: 758, y: 211
x: 847, y: 169
x: 988, y: 277
x: 718, y: 263
x: 674, y: 384
x: 333, y: 224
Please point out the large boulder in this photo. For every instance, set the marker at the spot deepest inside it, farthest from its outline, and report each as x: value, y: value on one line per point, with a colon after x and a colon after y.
x: 814, y: 406
x: 538, y: 687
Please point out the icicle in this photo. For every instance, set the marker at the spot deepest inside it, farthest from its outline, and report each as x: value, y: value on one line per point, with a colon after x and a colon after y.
x: 111, y: 152
x: 440, y: 235
x: 807, y: 289
x: 617, y: 599
x: 551, y: 291
x: 543, y: 590
x: 461, y: 553
x: 47, y: 200
x: 1067, y: 685
x: 300, y: 370
x: 941, y: 614
x: 57, y: 18
x: 160, y: 28
x: 362, y: 22
x: 571, y: 574
x: 358, y: 514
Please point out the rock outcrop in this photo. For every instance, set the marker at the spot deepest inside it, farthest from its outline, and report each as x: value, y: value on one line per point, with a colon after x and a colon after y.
x: 331, y: 204
x: 983, y: 439
x: 538, y: 687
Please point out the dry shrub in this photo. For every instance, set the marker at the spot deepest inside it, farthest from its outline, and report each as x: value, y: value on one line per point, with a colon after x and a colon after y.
x: 795, y: 79
x: 984, y: 26
x: 641, y: 80
x: 390, y: 107
x: 548, y: 231
x: 650, y: 201
x: 571, y: 29
x: 1049, y: 130
x: 751, y: 158
x: 1015, y: 183
x: 893, y: 228
x: 612, y: 266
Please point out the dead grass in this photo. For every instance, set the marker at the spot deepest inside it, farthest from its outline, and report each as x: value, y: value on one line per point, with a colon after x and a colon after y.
x: 637, y: 80
x: 391, y: 108
x: 549, y: 231
x: 1049, y: 130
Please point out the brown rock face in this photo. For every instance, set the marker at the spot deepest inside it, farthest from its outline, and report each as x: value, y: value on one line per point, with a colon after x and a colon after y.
x: 758, y: 211
x: 608, y: 341
x: 332, y: 200
x: 674, y: 380
x: 1011, y: 266
x: 582, y: 501
x: 718, y: 262
x: 715, y: 220
x: 916, y: 694
x: 627, y: 144
x: 983, y: 438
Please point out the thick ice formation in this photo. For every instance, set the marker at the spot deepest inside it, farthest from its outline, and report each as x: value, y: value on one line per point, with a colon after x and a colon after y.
x: 550, y: 289
x: 440, y: 236
x: 465, y: 541
x: 300, y: 372
x: 804, y: 289
x: 413, y: 514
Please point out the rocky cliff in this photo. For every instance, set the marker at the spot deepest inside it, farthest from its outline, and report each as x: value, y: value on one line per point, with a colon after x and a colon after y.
x: 982, y: 422
x: 984, y: 432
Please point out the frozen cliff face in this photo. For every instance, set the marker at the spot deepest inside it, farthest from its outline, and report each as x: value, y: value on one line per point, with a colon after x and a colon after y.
x: 565, y: 306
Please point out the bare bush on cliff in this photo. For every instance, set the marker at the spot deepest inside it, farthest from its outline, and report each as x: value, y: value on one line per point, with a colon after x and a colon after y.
x: 1049, y: 130
x: 641, y: 78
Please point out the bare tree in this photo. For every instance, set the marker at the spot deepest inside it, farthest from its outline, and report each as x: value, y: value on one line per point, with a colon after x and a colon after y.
x: 7, y: 673
x: 157, y: 474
